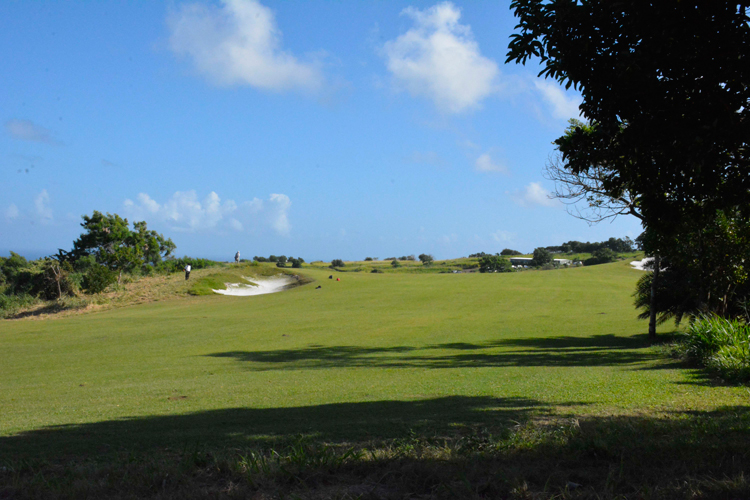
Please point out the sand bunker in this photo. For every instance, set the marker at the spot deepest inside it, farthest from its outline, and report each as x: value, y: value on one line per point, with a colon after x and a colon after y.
x: 638, y: 264
x: 265, y: 285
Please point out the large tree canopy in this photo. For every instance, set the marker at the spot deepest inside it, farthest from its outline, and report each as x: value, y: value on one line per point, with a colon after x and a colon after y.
x: 666, y: 88
x: 111, y: 241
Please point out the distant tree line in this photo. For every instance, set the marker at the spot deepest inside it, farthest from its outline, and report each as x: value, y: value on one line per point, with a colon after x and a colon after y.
x: 617, y: 245
x: 281, y: 260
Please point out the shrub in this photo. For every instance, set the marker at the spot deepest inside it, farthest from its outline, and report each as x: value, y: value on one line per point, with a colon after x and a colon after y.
x: 719, y: 344
x: 494, y: 264
x: 508, y: 251
x: 541, y: 257
x: 337, y: 263
x: 368, y: 259
x: 395, y: 263
x: 98, y: 278
x: 426, y: 259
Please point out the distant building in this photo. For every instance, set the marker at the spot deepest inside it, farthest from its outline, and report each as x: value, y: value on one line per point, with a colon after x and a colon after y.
x: 526, y: 261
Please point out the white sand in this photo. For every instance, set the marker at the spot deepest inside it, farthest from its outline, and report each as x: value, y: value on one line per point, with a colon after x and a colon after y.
x: 638, y: 264
x: 265, y: 285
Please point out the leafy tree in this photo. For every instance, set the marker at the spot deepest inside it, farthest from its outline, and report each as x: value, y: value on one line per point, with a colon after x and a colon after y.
x: 110, y: 240
x: 281, y: 261
x: 395, y: 263
x: 668, y: 102
x: 296, y: 263
x: 508, y: 251
x: 600, y: 256
x: 541, y: 257
x: 494, y: 264
x: 426, y: 259
x: 337, y: 263
x: 368, y: 259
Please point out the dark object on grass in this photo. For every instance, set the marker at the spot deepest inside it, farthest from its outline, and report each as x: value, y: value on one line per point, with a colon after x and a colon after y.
x: 318, y: 287
x: 330, y: 277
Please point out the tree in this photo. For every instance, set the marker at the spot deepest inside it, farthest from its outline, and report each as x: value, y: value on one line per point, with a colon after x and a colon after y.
x: 541, y: 257
x: 508, y: 251
x: 494, y: 264
x: 666, y: 94
x: 337, y: 263
x: 281, y: 261
x: 426, y: 259
x: 109, y: 238
x: 667, y: 101
x: 395, y: 263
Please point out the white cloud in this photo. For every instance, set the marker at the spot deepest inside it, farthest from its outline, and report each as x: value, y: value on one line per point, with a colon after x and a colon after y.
x: 26, y: 130
x: 563, y: 105
x: 11, y: 212
x: 503, y: 236
x: 42, y: 207
x: 279, y: 210
x: 535, y: 194
x: 184, y: 211
x: 239, y: 43
x: 485, y: 164
x: 439, y: 58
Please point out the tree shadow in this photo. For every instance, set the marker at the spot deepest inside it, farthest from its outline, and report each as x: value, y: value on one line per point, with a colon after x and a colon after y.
x: 596, y: 350
x: 261, y: 427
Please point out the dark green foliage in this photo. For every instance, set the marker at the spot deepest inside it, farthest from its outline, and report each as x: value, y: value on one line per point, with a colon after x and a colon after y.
x: 408, y: 257
x: 426, y: 259
x: 508, y: 251
x: 337, y: 263
x: 281, y: 261
x: 478, y: 255
x: 669, y: 100
x: 109, y: 239
x: 296, y: 263
x: 541, y: 257
x: 601, y: 256
x: 494, y: 264
x: 719, y: 344
x: 368, y: 259
x: 97, y: 278
x: 395, y: 263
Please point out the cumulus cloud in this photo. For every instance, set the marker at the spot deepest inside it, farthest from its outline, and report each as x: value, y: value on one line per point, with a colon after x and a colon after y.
x: 563, y: 105
x: 42, y: 207
x: 184, y: 211
x: 438, y: 58
x: 239, y: 43
x: 535, y: 194
x: 11, y: 212
x: 26, y: 130
x: 485, y: 163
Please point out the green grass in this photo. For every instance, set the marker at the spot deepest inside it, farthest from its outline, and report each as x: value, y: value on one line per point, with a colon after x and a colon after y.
x: 522, y: 382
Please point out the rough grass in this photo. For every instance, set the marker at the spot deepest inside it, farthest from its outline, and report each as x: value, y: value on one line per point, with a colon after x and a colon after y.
x: 519, y: 385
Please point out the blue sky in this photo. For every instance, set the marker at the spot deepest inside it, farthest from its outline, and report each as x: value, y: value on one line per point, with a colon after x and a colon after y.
x: 315, y: 129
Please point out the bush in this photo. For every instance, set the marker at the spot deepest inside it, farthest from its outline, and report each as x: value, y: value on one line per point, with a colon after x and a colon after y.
x: 508, y: 251
x: 11, y: 304
x: 368, y: 259
x: 395, y: 263
x: 494, y: 264
x: 541, y: 257
x: 426, y: 259
x: 98, y: 278
x: 337, y: 263
x: 719, y: 344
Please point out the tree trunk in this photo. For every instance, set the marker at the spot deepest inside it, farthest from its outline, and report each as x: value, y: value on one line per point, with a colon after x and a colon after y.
x: 652, y: 305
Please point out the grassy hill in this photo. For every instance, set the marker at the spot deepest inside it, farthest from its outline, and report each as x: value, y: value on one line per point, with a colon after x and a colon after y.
x: 528, y: 383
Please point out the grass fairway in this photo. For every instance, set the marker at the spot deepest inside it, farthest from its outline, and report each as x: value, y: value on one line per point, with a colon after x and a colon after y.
x: 373, y: 372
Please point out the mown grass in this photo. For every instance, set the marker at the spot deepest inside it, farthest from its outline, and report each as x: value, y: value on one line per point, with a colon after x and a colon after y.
x: 521, y: 385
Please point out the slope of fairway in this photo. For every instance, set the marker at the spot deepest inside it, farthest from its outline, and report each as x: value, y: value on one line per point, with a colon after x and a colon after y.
x: 464, y: 345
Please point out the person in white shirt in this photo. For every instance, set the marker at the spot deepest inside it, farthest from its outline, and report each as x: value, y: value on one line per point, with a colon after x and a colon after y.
x: 187, y: 271
x: 237, y: 257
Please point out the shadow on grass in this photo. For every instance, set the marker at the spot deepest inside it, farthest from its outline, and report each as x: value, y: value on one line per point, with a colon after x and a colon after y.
x: 441, y: 448
x: 250, y: 427
x: 597, y: 350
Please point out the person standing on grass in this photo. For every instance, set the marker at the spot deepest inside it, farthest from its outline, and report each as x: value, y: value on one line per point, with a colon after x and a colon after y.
x: 187, y: 271
x: 237, y: 257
